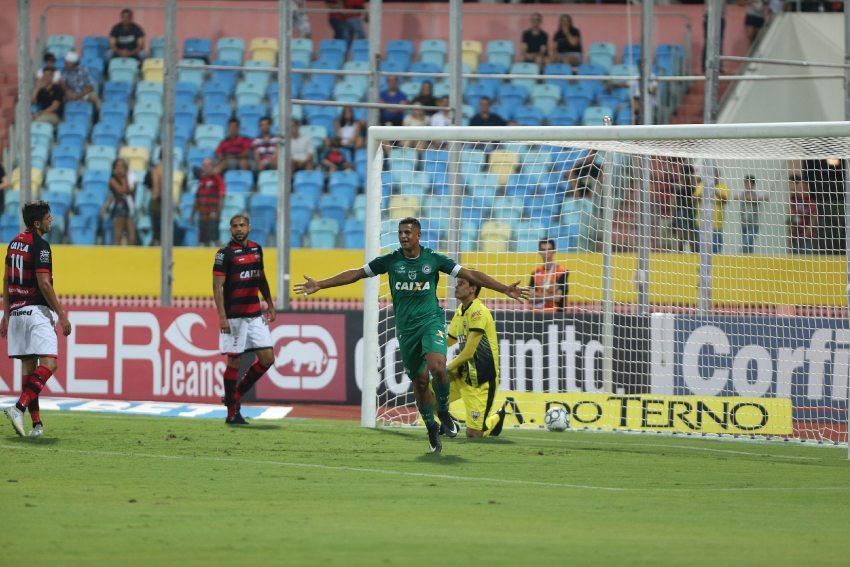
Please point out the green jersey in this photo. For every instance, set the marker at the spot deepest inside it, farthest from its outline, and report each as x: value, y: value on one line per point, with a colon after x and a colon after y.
x: 413, y: 284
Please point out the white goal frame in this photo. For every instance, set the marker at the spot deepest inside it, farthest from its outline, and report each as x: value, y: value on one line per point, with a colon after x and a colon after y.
x: 379, y: 134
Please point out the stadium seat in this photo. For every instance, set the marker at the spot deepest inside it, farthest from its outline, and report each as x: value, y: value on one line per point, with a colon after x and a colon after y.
x: 59, y: 45
x: 36, y: 178
x: 231, y: 49
x: 149, y: 92
x: 525, y: 68
x: 238, y: 181
x: 123, y: 69
x: 594, y: 115
x: 66, y: 155
x: 401, y: 206
x: 358, y: 209
x: 332, y: 208
x: 494, y: 236
x: 302, y: 49
x: 260, y: 77
x: 140, y: 136
x: 118, y: 92
x: 353, y: 234
x: 316, y: 133
x: 471, y: 53
x: 153, y: 70
x: 189, y: 72
x: 61, y: 180
x: 301, y: 209
x: 100, y: 158
x: 217, y: 114
x: 72, y: 133
x: 10, y: 226
x: 545, y: 97
x: 323, y: 233
x: 95, y: 45
x: 79, y: 110
x: 39, y: 155
x: 343, y: 186
x: 360, y: 50
x: 137, y: 158
x: 264, y: 49
x: 263, y: 212
x: 309, y: 183
x: 433, y: 51
x: 529, y: 116
x: 502, y: 164
x: 631, y: 54
x: 403, y: 159
x: 41, y: 133
x: 82, y: 229
x: 158, y: 46
x: 333, y: 48
x: 197, y: 48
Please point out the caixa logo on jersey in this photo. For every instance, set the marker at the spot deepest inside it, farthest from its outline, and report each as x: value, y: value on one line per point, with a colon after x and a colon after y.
x: 309, y: 359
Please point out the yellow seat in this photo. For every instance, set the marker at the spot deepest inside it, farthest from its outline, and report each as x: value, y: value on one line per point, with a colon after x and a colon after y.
x: 402, y: 206
x: 503, y: 164
x: 495, y: 236
x: 137, y: 158
x: 153, y: 69
x: 264, y: 49
x: 470, y: 58
x: 472, y: 45
x: 37, y: 177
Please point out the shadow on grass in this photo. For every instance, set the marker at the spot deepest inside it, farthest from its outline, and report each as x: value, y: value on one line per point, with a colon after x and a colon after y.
x: 41, y: 441
x: 262, y: 427
x: 441, y: 459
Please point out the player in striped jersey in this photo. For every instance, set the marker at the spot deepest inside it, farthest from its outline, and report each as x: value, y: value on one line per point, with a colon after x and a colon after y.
x: 238, y: 276
x: 30, y: 311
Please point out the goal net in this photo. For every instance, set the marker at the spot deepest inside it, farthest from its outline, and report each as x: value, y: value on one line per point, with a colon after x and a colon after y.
x: 696, y: 282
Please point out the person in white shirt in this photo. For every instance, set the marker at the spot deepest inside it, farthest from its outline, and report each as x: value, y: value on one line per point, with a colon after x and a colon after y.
x: 302, y: 152
x: 441, y: 118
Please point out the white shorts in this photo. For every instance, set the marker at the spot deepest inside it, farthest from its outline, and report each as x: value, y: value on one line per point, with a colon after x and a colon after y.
x: 32, y: 332
x: 246, y: 333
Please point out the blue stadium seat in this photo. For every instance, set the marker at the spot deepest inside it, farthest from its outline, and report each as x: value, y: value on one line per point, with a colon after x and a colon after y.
x: 140, y: 136
x: 66, y: 155
x: 41, y: 133
x: 593, y: 115
x: 330, y: 207
x: 343, y: 186
x: 88, y: 204
x: 59, y: 45
x: 332, y: 48
x: 9, y: 226
x: 353, y: 234
x: 73, y: 133
x: 94, y: 65
x: 115, y: 112
x: 158, y: 47
x: 424, y: 67
x: 61, y: 180
x: 525, y: 68
x: 217, y: 114
x: 308, y: 183
x: 230, y: 49
x: 249, y: 93
x: 268, y: 183
x: 186, y: 91
x: 263, y: 212
x: 117, y: 91
x: 631, y: 54
x: 238, y: 181
x: 546, y: 97
x: 149, y: 92
x: 95, y: 46
x: 197, y: 48
x: 60, y: 202
x: 360, y: 50
x: 529, y: 116
x: 301, y: 208
x: 193, y: 74
x: 186, y: 233
x: 433, y: 51
x: 123, y: 69
x: 79, y: 108
x: 260, y: 77
x: 198, y: 155
x: 323, y: 233
x: 302, y: 49
x: 100, y: 158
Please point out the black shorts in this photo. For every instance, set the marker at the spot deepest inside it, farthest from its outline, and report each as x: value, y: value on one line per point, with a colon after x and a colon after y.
x: 754, y: 21
x: 208, y: 230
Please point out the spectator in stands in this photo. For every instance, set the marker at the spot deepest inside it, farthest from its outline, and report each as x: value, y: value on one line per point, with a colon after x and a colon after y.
x: 751, y: 200
x: 484, y: 116
x: 346, y: 25
x: 684, y: 205
x: 441, y: 117
x: 415, y: 118
x: 48, y: 97
x: 754, y: 18
x: 721, y: 198
x: 825, y: 179
x: 154, y: 181
x: 120, y: 205
x: 426, y: 97
x: 302, y: 152
x: 548, y: 283
x: 49, y: 61
x: 348, y: 130
x: 535, y: 42
x: 567, y: 43
x: 334, y: 159
x: 77, y: 81
x: 265, y: 145
x: 127, y: 39
x: 722, y: 6
x: 234, y: 151
x: 300, y: 21
x: 582, y: 179
x: 208, y: 203
x: 391, y: 95
x: 802, y: 217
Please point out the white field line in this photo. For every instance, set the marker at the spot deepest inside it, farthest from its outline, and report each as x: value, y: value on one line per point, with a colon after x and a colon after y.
x: 391, y: 472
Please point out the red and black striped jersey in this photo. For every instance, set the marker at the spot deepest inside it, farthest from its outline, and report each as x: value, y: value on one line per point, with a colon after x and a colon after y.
x: 27, y: 255
x: 242, y: 268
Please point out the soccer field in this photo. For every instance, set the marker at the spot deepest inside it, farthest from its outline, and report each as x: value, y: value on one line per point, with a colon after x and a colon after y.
x: 136, y: 490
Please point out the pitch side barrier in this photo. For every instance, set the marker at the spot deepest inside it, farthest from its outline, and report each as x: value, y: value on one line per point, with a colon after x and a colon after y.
x: 671, y: 373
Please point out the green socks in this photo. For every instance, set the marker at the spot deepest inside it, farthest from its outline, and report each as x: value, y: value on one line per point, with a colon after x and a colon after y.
x: 427, y: 413
x: 442, y: 392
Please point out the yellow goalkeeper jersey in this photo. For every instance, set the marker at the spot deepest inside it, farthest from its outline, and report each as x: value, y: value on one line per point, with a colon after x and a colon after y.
x: 484, y: 365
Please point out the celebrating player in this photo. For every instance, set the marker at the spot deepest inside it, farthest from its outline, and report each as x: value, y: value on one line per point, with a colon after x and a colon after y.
x: 238, y: 276
x: 30, y: 309
x: 420, y: 322
x: 475, y: 370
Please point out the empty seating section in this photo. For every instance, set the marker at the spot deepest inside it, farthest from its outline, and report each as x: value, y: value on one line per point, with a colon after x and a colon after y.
x: 72, y: 161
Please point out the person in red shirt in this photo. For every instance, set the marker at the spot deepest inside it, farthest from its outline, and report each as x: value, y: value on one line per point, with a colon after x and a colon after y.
x: 802, y: 217
x: 208, y: 203
x: 549, y: 281
x: 234, y: 151
x: 31, y: 310
x: 346, y: 25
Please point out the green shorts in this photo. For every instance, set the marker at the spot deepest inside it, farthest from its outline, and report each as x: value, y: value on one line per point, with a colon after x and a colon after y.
x: 414, y: 345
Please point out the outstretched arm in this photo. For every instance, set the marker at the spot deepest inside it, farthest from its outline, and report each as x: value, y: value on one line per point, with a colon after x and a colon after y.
x: 343, y: 278
x: 483, y: 280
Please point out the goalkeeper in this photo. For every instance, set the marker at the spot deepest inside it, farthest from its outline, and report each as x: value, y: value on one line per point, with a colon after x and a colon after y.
x: 413, y: 273
x: 475, y: 370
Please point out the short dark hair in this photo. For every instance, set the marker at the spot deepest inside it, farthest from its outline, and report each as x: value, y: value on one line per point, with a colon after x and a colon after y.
x: 240, y: 216
x: 410, y: 220
x: 232, y: 120
x: 127, y: 11
x: 548, y: 241
x: 48, y: 57
x: 473, y: 284
x: 34, y: 211
x: 487, y: 98
x: 750, y: 178
x: 267, y: 118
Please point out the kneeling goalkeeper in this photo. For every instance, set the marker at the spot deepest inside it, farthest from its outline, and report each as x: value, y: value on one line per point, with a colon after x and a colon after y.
x: 474, y: 372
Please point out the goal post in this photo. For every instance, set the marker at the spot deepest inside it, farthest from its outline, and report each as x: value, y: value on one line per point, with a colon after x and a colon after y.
x: 705, y: 286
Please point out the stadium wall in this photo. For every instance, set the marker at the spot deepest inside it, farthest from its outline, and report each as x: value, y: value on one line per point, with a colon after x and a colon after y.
x: 135, y: 272
x: 419, y: 21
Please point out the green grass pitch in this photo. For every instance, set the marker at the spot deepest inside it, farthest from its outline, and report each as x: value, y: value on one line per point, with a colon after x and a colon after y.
x: 102, y: 489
